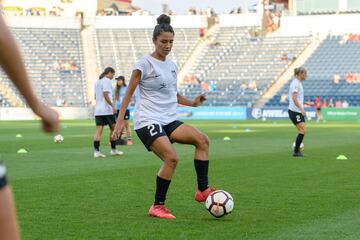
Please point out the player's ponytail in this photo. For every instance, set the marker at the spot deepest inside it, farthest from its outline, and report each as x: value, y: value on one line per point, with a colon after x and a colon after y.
x: 106, y: 71
x: 163, y: 25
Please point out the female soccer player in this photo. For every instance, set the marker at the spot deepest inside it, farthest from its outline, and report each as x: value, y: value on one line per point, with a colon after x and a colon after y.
x: 296, y: 110
x: 11, y: 61
x: 104, y: 111
x: 120, y: 91
x: 155, y: 117
x: 318, y: 103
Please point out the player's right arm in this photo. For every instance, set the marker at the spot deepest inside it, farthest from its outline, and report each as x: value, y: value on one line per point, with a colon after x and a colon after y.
x: 11, y: 61
x: 108, y: 100
x: 134, y: 82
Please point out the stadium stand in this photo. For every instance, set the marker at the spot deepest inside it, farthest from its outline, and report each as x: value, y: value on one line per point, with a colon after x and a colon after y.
x: 335, y: 56
x: 53, y: 58
x: 235, y: 68
x: 4, y: 102
x: 122, y: 48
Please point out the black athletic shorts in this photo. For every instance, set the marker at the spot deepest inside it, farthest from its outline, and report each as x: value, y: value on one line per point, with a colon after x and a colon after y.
x: 3, y: 181
x: 151, y: 132
x: 296, y: 117
x: 127, y: 114
x: 318, y: 109
x: 105, y: 120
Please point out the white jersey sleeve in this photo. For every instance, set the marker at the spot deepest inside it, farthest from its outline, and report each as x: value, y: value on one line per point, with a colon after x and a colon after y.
x: 294, y: 87
x: 143, y: 66
x: 107, y: 86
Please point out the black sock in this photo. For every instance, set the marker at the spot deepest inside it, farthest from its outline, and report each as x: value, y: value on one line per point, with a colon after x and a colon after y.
x: 162, y: 186
x: 202, y: 168
x: 299, y: 140
x: 97, y: 146
x: 113, y: 145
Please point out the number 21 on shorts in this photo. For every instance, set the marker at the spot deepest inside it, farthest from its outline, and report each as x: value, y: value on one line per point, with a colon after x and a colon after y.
x: 154, y: 129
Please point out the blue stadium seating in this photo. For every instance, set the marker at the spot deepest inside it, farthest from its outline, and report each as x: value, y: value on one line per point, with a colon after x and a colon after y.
x: 122, y: 48
x: 231, y: 61
x: 236, y: 60
x: 332, y: 57
x: 42, y: 50
x: 4, y: 102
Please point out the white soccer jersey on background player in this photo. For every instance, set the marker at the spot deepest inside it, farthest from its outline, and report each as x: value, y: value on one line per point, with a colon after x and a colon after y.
x: 157, y: 92
x: 102, y: 108
x: 296, y: 86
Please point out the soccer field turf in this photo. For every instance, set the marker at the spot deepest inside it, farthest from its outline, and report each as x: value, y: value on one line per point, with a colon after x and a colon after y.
x: 62, y: 192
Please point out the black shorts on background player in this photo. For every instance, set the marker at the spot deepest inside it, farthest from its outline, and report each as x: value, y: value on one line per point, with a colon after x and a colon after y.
x: 3, y: 181
x: 151, y: 132
x: 127, y: 114
x: 105, y: 120
x: 296, y: 117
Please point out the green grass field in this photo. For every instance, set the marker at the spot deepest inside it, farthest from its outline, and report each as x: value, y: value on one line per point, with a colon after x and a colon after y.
x: 62, y: 192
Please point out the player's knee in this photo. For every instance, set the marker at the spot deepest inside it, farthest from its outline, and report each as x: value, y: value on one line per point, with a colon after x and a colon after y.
x: 203, y: 141
x: 172, y: 161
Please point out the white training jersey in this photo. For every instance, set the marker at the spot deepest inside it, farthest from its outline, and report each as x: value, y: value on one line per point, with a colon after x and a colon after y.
x: 296, y: 86
x: 157, y: 92
x: 102, y: 107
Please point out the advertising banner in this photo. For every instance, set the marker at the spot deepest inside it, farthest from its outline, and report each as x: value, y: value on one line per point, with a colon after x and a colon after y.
x: 212, y: 113
x: 10, y: 113
x: 341, y: 113
x: 275, y: 113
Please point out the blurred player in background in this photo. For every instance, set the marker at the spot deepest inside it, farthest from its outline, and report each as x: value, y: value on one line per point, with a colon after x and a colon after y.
x: 318, y: 105
x: 11, y: 62
x: 156, y: 121
x: 296, y: 110
x: 120, y: 91
x: 105, y: 111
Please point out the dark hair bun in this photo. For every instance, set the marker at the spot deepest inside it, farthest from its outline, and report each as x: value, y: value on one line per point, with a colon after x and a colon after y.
x: 163, y: 19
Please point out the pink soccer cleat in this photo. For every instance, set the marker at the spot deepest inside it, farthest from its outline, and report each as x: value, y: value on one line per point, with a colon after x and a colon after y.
x: 160, y: 211
x: 201, y: 196
x: 129, y: 142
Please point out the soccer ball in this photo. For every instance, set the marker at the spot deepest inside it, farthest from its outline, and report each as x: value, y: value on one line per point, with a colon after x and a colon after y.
x: 219, y: 203
x: 302, y: 146
x: 58, y: 138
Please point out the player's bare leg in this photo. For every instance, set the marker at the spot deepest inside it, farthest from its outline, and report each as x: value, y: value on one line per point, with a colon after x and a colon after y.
x: 186, y: 134
x: 301, y: 127
x: 97, y: 137
x: 114, y: 151
x: 8, y: 225
x: 165, y: 151
x: 128, y: 133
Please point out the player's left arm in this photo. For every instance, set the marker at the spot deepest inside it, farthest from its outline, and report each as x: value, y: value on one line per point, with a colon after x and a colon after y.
x: 195, y: 103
